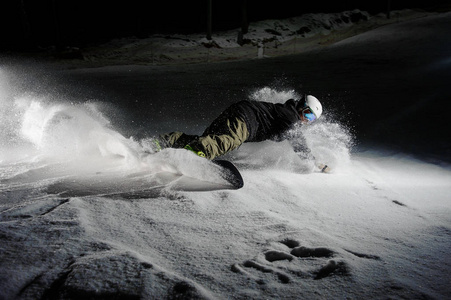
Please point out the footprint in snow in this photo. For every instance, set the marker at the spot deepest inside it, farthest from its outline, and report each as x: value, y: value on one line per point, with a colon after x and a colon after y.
x: 296, y: 262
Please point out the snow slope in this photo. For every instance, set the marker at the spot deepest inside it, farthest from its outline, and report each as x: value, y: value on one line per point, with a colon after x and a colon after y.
x: 266, y: 38
x: 87, y: 211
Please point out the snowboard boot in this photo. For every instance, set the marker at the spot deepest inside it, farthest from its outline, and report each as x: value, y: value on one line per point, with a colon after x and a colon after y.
x: 175, y: 139
x: 156, y: 144
x: 198, y: 153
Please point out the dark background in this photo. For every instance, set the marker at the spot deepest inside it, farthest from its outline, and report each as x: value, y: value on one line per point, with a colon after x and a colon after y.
x: 38, y: 24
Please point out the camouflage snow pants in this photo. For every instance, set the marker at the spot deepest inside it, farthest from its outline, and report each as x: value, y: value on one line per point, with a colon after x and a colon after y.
x: 225, y: 134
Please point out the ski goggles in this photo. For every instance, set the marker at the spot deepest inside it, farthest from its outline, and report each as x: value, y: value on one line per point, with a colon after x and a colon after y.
x: 308, y: 114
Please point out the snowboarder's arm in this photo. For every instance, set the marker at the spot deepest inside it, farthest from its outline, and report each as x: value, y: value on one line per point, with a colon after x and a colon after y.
x: 299, y: 145
x: 305, y: 153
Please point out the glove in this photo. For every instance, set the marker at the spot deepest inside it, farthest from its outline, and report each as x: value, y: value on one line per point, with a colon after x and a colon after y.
x: 324, y: 168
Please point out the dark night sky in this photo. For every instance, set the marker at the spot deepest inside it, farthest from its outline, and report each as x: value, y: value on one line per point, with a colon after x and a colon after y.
x: 28, y: 24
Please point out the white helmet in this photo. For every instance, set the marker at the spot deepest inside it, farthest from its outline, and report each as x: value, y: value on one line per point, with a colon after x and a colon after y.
x: 315, y: 105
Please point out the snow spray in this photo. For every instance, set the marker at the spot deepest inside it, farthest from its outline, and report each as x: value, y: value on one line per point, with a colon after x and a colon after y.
x: 60, y: 132
x: 329, y: 141
x: 57, y: 140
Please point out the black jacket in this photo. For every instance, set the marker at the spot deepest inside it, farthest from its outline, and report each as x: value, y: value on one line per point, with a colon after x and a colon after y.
x: 268, y: 121
x: 265, y: 121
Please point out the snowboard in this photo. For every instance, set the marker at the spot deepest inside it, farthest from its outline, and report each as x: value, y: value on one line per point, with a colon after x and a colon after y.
x: 230, y: 173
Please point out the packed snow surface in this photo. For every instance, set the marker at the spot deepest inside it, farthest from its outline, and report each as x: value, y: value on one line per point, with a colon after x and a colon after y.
x: 88, y: 211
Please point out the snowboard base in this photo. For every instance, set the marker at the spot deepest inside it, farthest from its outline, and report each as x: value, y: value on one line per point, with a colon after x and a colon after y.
x: 230, y: 173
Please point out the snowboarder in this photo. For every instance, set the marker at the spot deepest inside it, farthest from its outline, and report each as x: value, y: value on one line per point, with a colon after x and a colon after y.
x: 246, y: 121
